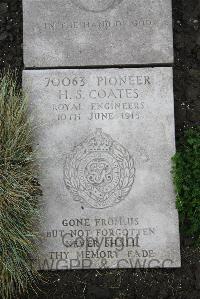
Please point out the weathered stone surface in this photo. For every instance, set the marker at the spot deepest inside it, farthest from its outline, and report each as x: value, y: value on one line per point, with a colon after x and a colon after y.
x: 105, y: 139
x: 92, y: 32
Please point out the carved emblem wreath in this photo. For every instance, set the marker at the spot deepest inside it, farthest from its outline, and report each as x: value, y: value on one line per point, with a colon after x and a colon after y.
x: 99, y: 171
x: 96, y: 5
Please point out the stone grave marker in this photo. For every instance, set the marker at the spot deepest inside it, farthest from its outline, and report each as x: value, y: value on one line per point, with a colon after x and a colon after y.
x: 63, y: 33
x: 105, y: 138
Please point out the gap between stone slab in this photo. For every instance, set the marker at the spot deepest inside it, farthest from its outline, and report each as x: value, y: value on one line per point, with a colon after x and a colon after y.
x: 102, y: 66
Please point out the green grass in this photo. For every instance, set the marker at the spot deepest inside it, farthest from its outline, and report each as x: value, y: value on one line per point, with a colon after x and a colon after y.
x: 186, y: 173
x: 18, y: 192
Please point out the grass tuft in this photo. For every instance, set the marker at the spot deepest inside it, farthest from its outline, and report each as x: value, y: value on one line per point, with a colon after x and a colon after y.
x: 186, y: 173
x: 18, y: 192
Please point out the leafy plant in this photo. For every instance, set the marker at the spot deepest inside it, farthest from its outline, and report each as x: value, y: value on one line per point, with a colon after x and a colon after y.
x: 18, y: 191
x: 186, y: 173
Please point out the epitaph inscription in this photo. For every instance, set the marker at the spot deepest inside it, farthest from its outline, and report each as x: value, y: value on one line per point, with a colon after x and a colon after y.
x: 93, y: 32
x: 104, y: 139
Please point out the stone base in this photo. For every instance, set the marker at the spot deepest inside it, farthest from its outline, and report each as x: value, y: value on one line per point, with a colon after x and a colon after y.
x: 60, y: 33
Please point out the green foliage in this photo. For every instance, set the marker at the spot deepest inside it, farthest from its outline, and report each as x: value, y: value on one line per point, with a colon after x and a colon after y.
x: 186, y: 172
x: 18, y: 192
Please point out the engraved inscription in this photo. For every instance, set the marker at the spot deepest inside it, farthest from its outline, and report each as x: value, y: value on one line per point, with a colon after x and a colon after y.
x: 63, y: 26
x: 99, y: 171
x: 109, y: 98
x: 96, y: 5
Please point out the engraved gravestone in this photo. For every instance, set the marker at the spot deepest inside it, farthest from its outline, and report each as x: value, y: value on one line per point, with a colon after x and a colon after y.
x: 97, y: 32
x: 105, y: 138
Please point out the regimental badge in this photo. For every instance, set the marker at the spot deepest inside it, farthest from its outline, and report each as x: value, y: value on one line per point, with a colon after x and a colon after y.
x: 99, y: 171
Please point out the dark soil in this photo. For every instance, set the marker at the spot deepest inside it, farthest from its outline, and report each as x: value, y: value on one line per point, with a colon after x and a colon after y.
x: 181, y: 283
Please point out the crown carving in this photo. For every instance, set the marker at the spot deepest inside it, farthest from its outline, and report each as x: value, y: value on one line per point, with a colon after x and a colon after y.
x: 99, y: 142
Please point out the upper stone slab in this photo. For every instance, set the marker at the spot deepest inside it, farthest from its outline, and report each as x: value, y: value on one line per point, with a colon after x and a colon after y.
x: 97, y: 32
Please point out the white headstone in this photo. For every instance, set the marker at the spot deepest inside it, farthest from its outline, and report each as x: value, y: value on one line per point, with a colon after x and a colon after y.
x: 105, y: 138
